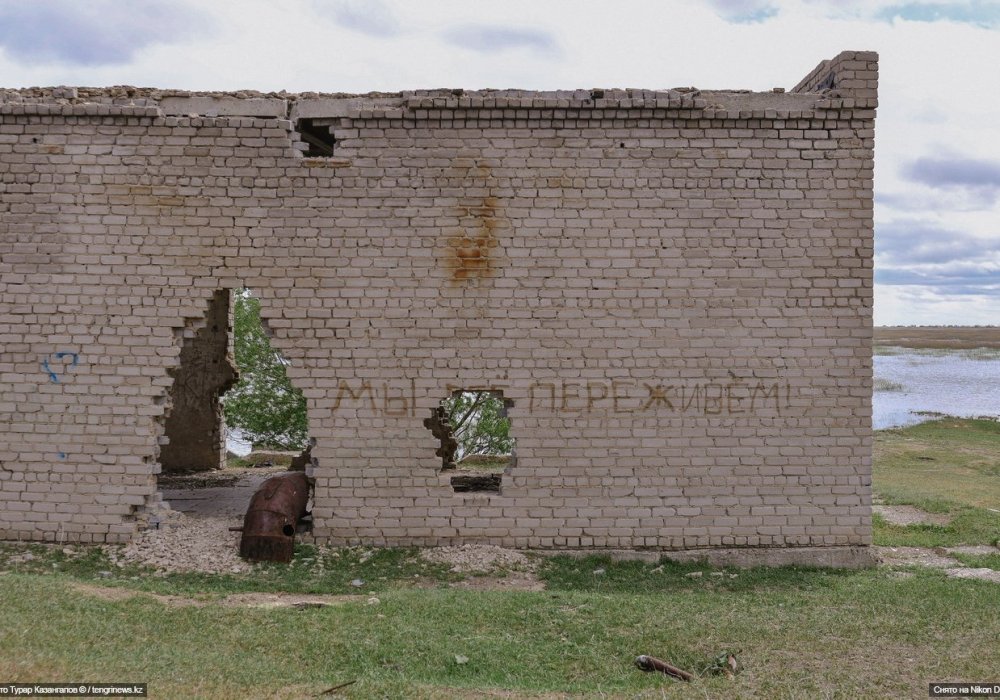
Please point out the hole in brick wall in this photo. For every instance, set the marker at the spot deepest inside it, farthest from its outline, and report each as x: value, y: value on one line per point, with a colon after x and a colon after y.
x: 318, y: 139
x: 221, y: 448
x: 476, y: 447
x: 264, y: 410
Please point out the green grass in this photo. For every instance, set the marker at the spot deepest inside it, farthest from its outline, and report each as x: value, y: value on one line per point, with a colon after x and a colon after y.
x: 793, y: 630
x: 258, y: 458
x: 980, y: 561
x: 886, y: 385
x: 949, y: 466
x: 970, y: 526
x: 237, y: 462
x: 493, y: 464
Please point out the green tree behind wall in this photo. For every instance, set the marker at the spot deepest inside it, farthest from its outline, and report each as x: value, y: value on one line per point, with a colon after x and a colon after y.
x: 263, y: 405
x: 479, y: 423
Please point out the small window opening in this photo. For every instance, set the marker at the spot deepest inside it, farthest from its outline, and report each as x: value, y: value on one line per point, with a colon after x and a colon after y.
x: 476, y: 446
x: 318, y: 139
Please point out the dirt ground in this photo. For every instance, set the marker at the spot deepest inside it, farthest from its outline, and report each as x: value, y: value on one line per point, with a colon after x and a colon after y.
x: 236, y: 600
x: 214, y: 494
x: 909, y: 515
x: 915, y: 556
x: 471, y: 558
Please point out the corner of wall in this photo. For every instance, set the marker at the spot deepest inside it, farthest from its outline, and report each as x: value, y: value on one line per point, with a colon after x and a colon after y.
x: 848, y: 74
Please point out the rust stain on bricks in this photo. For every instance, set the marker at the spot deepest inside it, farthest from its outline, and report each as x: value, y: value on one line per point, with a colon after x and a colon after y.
x: 471, y: 248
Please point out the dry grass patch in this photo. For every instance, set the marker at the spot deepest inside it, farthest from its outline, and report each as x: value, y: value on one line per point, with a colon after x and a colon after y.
x: 940, y: 337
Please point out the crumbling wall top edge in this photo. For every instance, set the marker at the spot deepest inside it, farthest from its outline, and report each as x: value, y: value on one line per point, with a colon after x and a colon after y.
x: 425, y: 104
x: 334, y: 105
x: 848, y: 74
x: 847, y: 81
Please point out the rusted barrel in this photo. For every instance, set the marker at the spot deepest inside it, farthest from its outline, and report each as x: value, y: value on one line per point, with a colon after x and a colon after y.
x: 269, y: 525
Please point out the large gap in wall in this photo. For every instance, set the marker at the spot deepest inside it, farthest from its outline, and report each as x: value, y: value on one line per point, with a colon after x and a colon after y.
x: 475, y: 443
x: 264, y: 410
x: 254, y: 420
x: 318, y: 139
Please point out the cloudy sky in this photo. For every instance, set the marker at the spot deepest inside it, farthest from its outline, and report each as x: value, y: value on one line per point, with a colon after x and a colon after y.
x: 937, y: 181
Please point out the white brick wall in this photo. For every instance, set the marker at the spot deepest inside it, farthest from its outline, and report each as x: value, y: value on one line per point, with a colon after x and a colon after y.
x: 673, y: 288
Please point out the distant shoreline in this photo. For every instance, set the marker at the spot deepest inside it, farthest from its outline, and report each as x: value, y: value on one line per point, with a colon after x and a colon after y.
x: 938, y: 337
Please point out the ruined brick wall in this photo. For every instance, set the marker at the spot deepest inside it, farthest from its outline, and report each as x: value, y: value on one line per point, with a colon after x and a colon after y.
x: 672, y: 288
x: 195, y: 425
x: 849, y: 75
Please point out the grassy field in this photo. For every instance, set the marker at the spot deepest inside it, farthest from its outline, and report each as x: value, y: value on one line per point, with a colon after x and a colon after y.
x: 418, y: 630
x: 949, y: 466
x: 797, y: 633
x: 941, y: 337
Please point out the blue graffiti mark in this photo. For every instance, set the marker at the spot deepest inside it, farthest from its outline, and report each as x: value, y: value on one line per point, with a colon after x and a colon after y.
x: 74, y: 361
x: 72, y: 355
x: 62, y: 455
x: 52, y: 375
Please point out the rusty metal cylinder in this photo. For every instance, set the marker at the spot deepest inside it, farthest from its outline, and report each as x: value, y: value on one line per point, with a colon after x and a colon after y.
x: 272, y: 517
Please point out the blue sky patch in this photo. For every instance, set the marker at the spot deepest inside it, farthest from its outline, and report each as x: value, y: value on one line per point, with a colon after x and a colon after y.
x: 745, y: 11
x: 976, y: 12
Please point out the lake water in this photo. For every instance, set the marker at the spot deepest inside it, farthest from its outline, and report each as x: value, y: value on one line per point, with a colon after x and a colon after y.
x: 964, y: 383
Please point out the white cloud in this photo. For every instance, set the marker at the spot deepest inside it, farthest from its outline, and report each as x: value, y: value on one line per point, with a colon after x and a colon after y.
x: 921, y: 306
x: 93, y: 33
x: 372, y: 17
x: 495, y: 39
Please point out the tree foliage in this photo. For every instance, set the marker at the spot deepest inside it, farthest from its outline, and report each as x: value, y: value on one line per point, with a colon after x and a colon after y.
x: 263, y: 405
x: 479, y: 423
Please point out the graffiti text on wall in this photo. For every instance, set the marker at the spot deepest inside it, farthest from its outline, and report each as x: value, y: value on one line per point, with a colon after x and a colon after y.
x: 378, y: 397
x: 626, y: 396
x: 728, y: 398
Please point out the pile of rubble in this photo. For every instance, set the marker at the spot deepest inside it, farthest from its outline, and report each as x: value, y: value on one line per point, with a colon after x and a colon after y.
x: 185, y: 544
x: 486, y: 558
